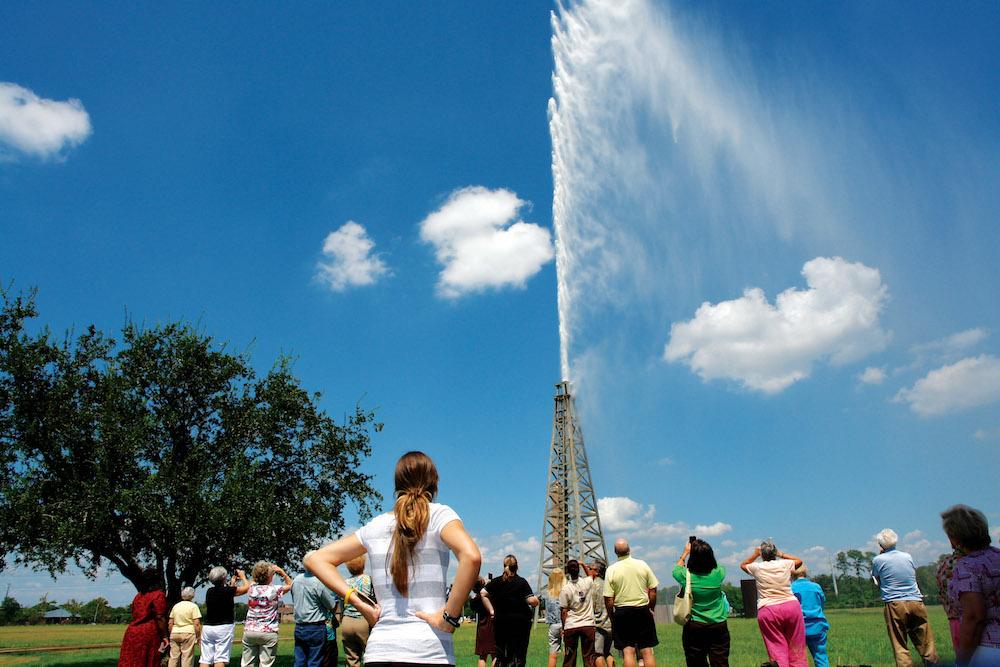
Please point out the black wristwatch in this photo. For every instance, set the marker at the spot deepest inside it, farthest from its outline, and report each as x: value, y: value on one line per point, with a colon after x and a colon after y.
x: 453, y: 621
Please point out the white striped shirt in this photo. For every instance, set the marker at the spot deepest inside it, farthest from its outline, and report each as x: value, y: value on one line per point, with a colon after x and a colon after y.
x: 399, y: 635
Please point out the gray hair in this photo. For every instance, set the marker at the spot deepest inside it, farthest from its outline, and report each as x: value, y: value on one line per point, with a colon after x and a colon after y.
x: 768, y: 551
x: 801, y: 572
x: 967, y: 526
x: 887, y: 538
x: 218, y: 575
x: 187, y: 593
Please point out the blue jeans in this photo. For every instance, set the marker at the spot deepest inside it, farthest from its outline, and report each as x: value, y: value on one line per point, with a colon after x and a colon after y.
x: 310, y: 639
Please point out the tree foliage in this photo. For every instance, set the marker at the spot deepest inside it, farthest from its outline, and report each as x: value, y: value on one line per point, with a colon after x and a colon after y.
x: 165, y: 450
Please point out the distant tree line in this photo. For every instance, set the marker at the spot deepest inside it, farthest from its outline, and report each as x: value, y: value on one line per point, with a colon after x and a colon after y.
x: 98, y: 610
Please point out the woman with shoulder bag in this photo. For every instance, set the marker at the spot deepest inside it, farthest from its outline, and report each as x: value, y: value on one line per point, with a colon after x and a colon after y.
x: 705, y: 636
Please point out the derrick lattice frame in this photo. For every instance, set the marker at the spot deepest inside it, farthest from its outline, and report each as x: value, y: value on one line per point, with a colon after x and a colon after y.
x: 572, y: 525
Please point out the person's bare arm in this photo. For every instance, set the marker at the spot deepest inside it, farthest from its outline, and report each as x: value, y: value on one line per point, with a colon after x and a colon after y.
x: 323, y: 563
x: 651, y: 592
x: 487, y: 604
x: 563, y: 613
x: 533, y: 601
x: 609, y: 605
x: 170, y: 627
x: 971, y: 629
x: 244, y: 584
x: 794, y: 559
x: 754, y: 556
x: 461, y: 544
x: 197, y: 629
x: 288, y: 580
x: 687, y: 550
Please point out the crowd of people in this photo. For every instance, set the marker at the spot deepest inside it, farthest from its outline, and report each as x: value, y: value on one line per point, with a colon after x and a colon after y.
x: 404, y: 612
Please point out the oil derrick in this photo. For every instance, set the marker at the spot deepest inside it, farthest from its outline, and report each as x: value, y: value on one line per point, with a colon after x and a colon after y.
x: 572, y: 526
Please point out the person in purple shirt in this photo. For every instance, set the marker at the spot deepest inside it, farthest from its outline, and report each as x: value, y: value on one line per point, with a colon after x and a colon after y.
x: 905, y: 614
x: 974, y: 587
x: 812, y: 598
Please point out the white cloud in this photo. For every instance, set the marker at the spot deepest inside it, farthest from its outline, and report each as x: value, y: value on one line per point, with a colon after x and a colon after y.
x: 922, y: 548
x: 619, y: 513
x: 37, y: 126
x: 350, y: 262
x: 480, y: 245
x: 661, y: 552
x: 872, y: 375
x: 956, y: 342
x: 666, y: 461
x: 768, y: 347
x: 967, y: 383
x: 711, y: 530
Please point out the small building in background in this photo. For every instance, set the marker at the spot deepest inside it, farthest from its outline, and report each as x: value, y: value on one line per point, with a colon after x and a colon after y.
x: 60, y: 616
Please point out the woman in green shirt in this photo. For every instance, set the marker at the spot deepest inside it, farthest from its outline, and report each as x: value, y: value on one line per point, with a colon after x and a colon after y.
x: 706, y: 636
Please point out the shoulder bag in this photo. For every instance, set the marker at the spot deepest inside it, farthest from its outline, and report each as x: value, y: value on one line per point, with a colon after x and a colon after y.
x: 682, y: 603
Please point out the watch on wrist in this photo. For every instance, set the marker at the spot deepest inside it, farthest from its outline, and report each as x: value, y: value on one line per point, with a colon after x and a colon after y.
x: 453, y: 621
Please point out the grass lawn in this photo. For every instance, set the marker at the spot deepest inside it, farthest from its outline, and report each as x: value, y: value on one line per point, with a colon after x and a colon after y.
x: 856, y: 637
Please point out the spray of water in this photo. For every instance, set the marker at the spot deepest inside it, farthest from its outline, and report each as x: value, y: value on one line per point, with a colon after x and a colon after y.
x: 665, y: 159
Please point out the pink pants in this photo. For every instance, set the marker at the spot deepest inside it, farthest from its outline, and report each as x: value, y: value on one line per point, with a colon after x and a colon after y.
x: 784, y: 633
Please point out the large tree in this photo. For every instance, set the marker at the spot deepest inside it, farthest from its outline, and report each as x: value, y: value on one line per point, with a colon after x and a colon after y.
x: 164, y: 449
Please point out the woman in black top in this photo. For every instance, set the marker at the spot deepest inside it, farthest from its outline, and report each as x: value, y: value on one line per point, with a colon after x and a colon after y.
x: 218, y: 621
x: 512, y: 601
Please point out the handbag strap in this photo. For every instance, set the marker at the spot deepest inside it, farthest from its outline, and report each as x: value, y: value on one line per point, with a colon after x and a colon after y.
x: 687, y: 585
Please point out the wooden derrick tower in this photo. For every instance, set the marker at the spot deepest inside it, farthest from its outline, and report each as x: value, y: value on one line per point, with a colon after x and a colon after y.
x: 572, y: 525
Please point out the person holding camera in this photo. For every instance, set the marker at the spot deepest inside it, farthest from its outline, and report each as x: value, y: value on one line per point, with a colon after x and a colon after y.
x: 705, y: 636
x: 577, y: 614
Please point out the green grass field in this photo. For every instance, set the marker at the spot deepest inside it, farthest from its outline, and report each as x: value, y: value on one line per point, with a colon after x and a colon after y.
x: 856, y: 637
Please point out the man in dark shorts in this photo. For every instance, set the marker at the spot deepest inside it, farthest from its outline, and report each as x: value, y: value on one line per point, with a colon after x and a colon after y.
x: 630, y: 597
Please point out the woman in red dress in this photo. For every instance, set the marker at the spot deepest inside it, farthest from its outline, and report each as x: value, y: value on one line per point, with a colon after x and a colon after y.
x: 148, y: 630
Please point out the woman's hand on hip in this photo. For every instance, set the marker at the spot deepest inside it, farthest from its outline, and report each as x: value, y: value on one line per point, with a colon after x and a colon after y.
x: 370, y: 613
x: 436, y: 620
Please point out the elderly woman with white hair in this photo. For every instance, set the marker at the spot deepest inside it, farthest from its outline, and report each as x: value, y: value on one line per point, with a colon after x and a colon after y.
x: 219, y: 621
x: 779, y: 614
x: 905, y: 614
x: 975, y: 586
x: 184, y: 627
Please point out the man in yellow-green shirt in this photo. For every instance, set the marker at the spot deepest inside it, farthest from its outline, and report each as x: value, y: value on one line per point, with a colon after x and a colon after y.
x: 630, y: 597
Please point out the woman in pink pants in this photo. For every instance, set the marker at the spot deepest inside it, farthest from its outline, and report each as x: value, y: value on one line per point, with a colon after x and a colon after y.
x: 779, y: 614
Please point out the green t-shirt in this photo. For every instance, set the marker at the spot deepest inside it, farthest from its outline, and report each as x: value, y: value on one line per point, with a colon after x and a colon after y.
x: 708, y: 605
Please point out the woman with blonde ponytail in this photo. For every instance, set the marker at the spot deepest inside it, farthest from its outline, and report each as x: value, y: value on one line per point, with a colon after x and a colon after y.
x: 512, y: 600
x: 409, y: 549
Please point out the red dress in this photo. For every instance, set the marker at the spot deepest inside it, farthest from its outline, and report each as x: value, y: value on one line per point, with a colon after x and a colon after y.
x: 141, y: 643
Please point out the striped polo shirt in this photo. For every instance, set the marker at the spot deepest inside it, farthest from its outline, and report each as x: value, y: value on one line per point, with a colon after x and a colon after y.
x: 399, y: 635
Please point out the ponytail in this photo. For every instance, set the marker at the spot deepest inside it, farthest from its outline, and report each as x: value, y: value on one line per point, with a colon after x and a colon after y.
x: 509, y: 567
x: 416, y: 485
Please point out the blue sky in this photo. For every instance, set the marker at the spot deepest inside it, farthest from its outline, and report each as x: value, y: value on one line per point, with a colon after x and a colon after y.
x: 212, y: 155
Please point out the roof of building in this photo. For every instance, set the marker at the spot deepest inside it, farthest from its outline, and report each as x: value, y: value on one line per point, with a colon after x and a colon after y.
x: 59, y: 613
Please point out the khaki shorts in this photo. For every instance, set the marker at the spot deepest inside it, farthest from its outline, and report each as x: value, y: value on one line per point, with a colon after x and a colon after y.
x: 602, y: 643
